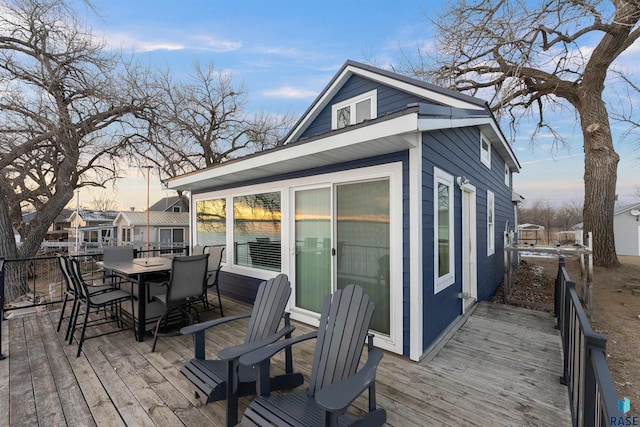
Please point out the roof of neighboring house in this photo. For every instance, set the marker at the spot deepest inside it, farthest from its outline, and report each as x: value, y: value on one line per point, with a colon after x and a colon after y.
x: 623, y: 209
x: 167, y: 203
x: 156, y: 219
x: 532, y: 227
x: 95, y: 216
x: 385, y: 134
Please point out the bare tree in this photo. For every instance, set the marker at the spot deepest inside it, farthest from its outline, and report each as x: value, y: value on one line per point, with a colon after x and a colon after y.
x: 63, y: 106
x: 103, y: 202
x: 202, y: 122
x: 532, y: 57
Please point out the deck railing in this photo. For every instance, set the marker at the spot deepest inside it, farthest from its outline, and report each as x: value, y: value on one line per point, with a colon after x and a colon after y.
x: 43, y: 279
x: 592, y: 395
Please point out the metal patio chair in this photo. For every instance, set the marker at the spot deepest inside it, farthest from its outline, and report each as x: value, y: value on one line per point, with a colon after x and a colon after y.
x: 183, y: 289
x: 70, y: 294
x: 335, y: 382
x: 210, y: 379
x: 92, y: 300
x: 215, y: 263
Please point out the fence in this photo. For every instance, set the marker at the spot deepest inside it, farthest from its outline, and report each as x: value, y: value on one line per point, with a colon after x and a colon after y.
x: 592, y: 395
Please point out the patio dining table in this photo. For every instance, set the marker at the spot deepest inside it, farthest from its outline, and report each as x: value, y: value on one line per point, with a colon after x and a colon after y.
x: 139, y: 271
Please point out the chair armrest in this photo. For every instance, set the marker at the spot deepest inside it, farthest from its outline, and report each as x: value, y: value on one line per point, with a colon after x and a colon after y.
x: 266, y: 352
x: 231, y: 353
x: 198, y: 327
x: 339, y: 395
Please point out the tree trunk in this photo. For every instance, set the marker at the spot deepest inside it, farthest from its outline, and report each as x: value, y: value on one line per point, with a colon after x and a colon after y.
x: 600, y: 175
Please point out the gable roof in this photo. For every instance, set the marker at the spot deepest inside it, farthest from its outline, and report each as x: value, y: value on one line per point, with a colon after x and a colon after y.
x: 167, y: 203
x: 156, y: 219
x: 433, y: 93
x: 623, y: 209
x: 398, y: 130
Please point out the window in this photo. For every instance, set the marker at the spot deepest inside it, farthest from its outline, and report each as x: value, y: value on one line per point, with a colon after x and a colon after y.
x: 126, y: 235
x: 491, y: 235
x: 354, y: 110
x: 507, y: 175
x: 444, y: 266
x: 256, y: 231
x: 170, y: 237
x: 485, y: 151
x: 176, y: 209
x: 211, y: 223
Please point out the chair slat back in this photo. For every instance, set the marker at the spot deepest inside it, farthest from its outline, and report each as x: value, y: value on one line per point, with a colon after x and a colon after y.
x: 215, y: 256
x: 113, y: 254
x: 188, y: 273
x: 197, y: 250
x: 80, y: 286
x: 344, y: 324
x: 268, y: 308
x: 64, y: 268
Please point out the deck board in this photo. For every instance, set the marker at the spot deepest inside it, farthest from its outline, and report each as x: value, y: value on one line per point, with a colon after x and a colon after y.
x: 501, y: 367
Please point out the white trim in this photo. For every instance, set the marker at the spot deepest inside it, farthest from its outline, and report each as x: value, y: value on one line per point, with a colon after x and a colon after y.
x: 351, y: 103
x: 469, y: 247
x: 416, y: 239
x: 442, y: 282
x: 491, y: 231
x: 485, y: 155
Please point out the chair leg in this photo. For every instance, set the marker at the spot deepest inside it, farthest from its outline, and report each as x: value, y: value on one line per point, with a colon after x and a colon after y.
x: 73, y: 320
x: 155, y: 332
x: 219, y: 301
x: 64, y: 306
x: 232, y: 392
x: 84, y: 329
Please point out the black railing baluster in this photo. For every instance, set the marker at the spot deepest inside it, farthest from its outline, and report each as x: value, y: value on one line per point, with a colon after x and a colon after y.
x: 1, y: 303
x: 592, y: 394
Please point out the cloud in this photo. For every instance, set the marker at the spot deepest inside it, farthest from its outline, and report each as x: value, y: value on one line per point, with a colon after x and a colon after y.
x: 217, y: 45
x: 289, y: 92
x: 532, y: 162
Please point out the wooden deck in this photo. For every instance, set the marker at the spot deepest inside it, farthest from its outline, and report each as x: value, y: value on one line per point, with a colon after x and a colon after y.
x: 501, y: 367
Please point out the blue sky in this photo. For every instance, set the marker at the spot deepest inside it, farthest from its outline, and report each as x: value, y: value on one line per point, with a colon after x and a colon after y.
x: 285, y: 52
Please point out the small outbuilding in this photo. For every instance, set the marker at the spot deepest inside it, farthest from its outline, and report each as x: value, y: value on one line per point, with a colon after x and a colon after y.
x: 626, y: 229
x: 399, y: 186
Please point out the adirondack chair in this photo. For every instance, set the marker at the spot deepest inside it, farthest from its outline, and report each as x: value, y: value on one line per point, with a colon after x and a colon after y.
x: 209, y: 379
x: 334, y: 382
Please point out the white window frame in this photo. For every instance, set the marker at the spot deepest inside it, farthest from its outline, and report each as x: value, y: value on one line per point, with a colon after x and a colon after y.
x: 485, y: 155
x: 442, y: 282
x: 491, y: 223
x: 507, y: 175
x: 351, y: 103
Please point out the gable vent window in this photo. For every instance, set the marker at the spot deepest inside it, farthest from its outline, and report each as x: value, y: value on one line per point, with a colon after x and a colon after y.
x: 354, y: 110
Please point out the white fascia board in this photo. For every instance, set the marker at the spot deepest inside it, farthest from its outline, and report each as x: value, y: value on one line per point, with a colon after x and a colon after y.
x: 426, y: 124
x: 421, y: 91
x: 387, y: 128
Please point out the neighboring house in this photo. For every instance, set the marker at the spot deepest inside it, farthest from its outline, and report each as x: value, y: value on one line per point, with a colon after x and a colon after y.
x: 171, y: 204
x: 166, y: 229
x: 387, y: 182
x: 626, y: 229
x: 94, y: 228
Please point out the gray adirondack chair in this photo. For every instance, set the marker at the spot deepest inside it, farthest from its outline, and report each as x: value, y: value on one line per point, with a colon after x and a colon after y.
x: 214, y: 380
x: 334, y: 382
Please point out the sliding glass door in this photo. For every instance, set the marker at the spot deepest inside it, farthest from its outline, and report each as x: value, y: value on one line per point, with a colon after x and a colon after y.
x: 363, y: 237
x: 312, y: 247
x: 359, y: 218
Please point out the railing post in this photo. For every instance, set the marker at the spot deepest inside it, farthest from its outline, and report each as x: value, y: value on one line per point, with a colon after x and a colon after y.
x: 2, y: 357
x: 557, y: 293
x: 593, y: 342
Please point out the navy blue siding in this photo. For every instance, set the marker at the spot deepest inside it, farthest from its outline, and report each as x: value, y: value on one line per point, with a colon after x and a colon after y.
x: 457, y: 152
x: 389, y: 100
